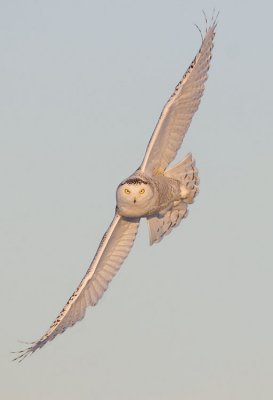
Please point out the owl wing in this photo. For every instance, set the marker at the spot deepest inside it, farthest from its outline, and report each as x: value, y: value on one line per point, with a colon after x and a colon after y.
x: 177, y: 114
x: 113, y: 249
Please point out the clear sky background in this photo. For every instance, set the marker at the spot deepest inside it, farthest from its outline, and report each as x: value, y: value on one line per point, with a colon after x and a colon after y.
x: 82, y: 86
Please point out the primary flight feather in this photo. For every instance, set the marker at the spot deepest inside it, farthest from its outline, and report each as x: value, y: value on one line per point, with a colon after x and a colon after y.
x: 153, y: 192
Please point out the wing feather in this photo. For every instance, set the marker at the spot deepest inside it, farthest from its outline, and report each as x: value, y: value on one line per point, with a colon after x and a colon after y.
x: 177, y: 114
x: 113, y: 249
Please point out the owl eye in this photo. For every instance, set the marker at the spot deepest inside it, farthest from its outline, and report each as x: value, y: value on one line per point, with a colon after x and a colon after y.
x: 127, y: 191
x: 142, y: 191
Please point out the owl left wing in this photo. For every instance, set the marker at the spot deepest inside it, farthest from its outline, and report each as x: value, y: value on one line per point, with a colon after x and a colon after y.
x: 113, y: 249
x: 177, y: 114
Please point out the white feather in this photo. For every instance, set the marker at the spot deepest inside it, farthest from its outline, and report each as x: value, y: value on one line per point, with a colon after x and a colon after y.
x: 113, y: 249
x: 177, y: 114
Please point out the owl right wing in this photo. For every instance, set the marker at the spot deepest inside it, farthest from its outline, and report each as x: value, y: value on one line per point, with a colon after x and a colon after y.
x: 113, y: 249
x: 177, y: 114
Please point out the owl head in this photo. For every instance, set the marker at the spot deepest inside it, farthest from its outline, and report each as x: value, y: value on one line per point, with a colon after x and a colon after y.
x: 134, y: 197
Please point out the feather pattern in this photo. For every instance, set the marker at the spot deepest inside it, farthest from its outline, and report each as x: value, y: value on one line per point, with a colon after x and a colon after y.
x: 160, y: 226
x: 177, y: 114
x: 113, y: 249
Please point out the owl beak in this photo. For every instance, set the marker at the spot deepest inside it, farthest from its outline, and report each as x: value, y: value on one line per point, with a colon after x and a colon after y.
x: 134, y: 200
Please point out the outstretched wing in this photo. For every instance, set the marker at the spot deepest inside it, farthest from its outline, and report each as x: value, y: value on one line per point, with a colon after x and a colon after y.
x: 177, y: 114
x: 113, y: 249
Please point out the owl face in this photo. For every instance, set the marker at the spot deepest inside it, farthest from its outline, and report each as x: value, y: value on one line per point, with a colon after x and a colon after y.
x: 134, y: 197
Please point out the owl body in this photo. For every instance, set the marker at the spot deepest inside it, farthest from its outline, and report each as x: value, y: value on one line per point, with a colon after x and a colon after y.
x: 144, y: 196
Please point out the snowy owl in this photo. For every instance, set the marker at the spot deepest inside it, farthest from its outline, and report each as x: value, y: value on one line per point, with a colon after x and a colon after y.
x: 155, y: 192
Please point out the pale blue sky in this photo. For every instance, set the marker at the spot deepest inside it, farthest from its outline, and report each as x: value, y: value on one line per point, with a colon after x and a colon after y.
x: 82, y: 85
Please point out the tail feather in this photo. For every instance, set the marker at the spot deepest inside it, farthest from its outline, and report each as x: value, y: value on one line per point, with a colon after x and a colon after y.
x: 159, y: 226
x: 187, y: 173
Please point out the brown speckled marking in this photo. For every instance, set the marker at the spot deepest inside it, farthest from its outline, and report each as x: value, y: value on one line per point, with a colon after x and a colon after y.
x: 135, y: 181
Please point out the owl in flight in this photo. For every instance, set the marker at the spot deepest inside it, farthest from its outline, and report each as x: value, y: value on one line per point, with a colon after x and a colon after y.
x: 154, y: 191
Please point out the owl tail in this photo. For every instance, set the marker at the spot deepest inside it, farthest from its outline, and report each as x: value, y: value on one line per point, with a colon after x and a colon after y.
x: 160, y: 226
x: 186, y: 172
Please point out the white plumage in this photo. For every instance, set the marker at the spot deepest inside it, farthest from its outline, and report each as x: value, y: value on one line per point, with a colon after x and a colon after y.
x: 161, y: 195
